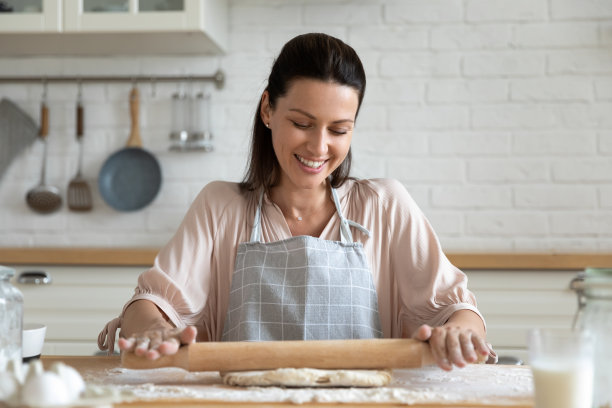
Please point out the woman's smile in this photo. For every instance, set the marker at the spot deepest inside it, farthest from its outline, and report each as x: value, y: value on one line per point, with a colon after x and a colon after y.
x: 311, y: 165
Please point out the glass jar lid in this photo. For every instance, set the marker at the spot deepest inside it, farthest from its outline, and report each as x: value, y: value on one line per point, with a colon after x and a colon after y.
x: 598, y: 283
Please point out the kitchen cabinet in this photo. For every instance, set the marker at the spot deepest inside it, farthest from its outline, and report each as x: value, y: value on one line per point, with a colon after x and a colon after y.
x: 514, y: 301
x: 31, y: 16
x: 114, y: 27
x: 77, y: 303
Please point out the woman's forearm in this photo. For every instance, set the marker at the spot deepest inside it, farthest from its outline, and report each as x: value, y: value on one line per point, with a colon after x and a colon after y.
x: 143, y: 315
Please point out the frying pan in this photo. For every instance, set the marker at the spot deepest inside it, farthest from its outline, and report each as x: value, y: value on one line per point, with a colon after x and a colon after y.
x: 131, y: 177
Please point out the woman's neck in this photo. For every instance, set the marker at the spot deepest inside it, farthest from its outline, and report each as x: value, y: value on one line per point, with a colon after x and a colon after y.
x: 306, y: 211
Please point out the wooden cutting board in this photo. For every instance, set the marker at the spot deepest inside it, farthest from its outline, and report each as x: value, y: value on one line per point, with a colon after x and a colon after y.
x: 105, y: 370
x: 266, y: 355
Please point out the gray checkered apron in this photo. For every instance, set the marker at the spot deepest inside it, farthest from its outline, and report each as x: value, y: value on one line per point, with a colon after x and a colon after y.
x: 302, y: 288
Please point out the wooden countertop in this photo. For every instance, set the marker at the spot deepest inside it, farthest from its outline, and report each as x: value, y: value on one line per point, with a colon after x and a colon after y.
x: 145, y: 256
x: 103, y: 370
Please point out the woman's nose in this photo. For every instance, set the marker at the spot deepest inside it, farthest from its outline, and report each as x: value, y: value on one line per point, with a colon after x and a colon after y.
x: 317, y: 144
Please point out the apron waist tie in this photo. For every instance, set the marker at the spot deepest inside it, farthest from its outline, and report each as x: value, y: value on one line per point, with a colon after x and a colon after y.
x: 106, y: 338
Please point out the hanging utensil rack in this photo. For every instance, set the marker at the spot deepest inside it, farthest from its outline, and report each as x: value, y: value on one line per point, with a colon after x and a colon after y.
x: 218, y: 78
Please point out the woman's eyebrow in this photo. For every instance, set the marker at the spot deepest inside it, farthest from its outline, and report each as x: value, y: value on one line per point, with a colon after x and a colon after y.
x: 313, y: 117
x: 303, y: 113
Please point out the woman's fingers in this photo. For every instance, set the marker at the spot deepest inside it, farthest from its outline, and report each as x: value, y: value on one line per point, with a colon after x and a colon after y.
x: 466, y: 339
x: 437, y: 342
x: 188, y: 335
x: 437, y: 338
x: 142, y: 345
x: 423, y: 333
x: 126, y: 344
x: 482, y: 348
x: 169, y: 346
x: 156, y: 343
x: 453, y: 345
x: 155, y: 340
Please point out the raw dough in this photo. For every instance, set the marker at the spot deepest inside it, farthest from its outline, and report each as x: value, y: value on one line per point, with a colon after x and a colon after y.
x: 309, y: 377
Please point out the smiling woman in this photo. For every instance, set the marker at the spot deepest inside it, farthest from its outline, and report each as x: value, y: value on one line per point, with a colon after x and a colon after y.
x: 299, y: 250
x: 311, y: 130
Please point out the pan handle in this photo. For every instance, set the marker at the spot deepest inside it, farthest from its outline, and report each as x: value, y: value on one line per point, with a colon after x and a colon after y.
x: 134, y: 140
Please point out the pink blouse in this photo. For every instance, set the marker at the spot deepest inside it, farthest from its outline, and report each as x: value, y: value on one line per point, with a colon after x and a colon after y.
x: 416, y: 284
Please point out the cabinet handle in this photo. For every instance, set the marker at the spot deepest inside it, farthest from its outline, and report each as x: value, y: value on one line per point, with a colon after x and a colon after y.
x: 34, y: 278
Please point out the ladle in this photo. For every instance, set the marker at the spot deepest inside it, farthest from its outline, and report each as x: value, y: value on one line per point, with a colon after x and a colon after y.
x: 44, y: 199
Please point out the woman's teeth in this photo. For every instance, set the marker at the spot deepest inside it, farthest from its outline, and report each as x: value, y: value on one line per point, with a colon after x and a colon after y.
x: 310, y: 163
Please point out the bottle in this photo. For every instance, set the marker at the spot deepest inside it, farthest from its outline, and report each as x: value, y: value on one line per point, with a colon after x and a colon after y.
x: 11, y: 318
x: 597, y: 318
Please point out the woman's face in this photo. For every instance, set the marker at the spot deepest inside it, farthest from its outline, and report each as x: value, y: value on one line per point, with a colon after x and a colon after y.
x: 312, y: 127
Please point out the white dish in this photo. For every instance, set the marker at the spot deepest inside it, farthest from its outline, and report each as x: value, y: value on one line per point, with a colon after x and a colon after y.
x: 33, y: 339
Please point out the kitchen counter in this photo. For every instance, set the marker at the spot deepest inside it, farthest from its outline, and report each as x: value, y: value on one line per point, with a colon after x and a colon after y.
x: 474, y: 386
x: 145, y: 257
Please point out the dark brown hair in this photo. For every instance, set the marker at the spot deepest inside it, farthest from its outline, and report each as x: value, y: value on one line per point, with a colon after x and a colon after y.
x: 311, y: 56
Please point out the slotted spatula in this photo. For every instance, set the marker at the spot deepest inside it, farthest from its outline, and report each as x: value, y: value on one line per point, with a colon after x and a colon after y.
x: 79, y: 193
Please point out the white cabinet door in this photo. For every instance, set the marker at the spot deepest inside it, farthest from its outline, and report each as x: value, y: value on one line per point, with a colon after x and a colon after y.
x: 134, y: 15
x: 32, y: 16
x: 513, y: 302
x: 76, y: 305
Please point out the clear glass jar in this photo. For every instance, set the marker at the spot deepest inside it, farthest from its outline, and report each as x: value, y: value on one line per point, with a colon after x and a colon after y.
x: 11, y: 318
x: 597, y: 318
x: 180, y: 118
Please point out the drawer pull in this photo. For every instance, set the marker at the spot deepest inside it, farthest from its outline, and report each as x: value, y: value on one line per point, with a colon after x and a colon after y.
x: 34, y: 278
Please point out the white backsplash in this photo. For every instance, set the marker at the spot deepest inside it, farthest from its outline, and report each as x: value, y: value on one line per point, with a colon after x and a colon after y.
x: 495, y: 114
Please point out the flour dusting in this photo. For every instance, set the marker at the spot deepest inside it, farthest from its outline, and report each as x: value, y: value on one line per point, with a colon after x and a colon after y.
x: 482, y: 383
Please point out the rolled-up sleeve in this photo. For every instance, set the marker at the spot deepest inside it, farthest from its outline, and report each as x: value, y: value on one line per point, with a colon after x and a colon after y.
x: 179, y: 280
x: 430, y: 288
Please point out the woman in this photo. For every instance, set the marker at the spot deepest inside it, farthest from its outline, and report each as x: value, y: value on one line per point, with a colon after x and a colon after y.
x: 314, y: 254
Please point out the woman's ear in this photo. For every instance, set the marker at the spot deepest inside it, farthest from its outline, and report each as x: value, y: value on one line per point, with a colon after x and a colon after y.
x: 264, y: 112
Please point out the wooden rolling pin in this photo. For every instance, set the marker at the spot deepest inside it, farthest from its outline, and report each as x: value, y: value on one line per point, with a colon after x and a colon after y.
x: 266, y: 355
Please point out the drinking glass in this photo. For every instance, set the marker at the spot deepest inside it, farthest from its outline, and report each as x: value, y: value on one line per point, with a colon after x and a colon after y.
x: 562, y: 365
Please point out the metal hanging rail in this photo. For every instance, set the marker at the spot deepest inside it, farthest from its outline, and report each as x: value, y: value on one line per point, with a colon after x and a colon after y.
x: 218, y: 78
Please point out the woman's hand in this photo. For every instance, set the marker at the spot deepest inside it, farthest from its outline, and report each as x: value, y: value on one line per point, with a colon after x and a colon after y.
x: 155, y: 343
x: 453, y: 345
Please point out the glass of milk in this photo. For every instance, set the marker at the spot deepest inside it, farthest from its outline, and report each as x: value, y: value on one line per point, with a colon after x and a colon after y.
x: 562, y: 365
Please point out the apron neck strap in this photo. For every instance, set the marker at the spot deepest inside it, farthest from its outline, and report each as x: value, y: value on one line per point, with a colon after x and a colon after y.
x: 256, y: 231
x: 346, y: 236
x: 345, y: 231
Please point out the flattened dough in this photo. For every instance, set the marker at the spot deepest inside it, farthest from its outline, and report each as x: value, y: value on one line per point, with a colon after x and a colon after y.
x: 308, y: 377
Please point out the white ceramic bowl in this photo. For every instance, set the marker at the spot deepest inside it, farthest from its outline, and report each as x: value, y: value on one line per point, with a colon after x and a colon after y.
x: 33, y: 339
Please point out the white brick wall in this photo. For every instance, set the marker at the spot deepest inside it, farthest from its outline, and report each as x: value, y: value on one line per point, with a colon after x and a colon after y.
x: 496, y: 114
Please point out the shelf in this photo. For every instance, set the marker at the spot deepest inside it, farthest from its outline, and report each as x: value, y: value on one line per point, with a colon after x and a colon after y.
x: 108, y: 44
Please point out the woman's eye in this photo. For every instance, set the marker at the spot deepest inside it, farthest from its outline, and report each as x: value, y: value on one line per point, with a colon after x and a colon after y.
x: 339, y: 131
x: 300, y: 125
